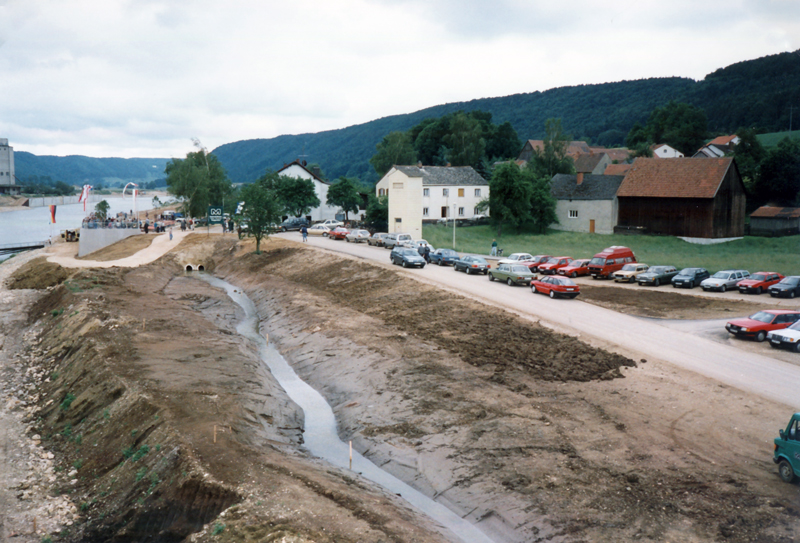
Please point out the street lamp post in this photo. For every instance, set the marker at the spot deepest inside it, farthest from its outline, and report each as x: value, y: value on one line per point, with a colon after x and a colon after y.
x: 454, y: 226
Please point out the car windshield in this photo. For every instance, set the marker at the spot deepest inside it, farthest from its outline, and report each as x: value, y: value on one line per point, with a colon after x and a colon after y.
x: 657, y: 269
x: 478, y: 259
x: 597, y: 261
x: 687, y: 271
x: 795, y: 326
x: 721, y: 275
x: 409, y: 252
x: 447, y: 252
x: 762, y: 316
x: 629, y: 267
x: 790, y: 281
x: 758, y: 277
x: 553, y: 261
x: 520, y: 269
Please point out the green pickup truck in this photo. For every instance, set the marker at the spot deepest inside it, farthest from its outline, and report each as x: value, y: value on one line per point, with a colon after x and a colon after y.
x: 787, y: 450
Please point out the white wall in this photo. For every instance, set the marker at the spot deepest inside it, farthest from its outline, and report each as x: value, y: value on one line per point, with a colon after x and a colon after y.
x: 436, y: 199
x: 94, y: 239
x: 405, y: 202
x: 324, y: 211
x: 604, y: 213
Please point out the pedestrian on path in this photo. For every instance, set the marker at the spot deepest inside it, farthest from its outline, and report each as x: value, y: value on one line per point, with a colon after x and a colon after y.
x: 170, y: 233
x: 494, y: 247
x: 304, y: 231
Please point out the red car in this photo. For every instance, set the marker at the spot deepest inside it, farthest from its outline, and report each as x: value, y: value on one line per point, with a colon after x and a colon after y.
x: 537, y: 260
x: 555, y: 286
x: 758, y: 282
x: 575, y: 268
x: 757, y: 325
x: 338, y: 233
x: 552, y: 266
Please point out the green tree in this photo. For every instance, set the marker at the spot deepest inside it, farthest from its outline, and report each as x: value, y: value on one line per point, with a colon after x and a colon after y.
x: 198, y: 180
x: 637, y: 136
x: 502, y: 142
x: 779, y: 179
x: 296, y: 196
x: 510, y: 195
x: 553, y: 158
x: 682, y: 126
x: 101, y: 210
x: 749, y: 154
x: 465, y: 143
x: 394, y: 149
x: 542, y: 202
x: 344, y: 194
x: 377, y: 213
x: 261, y: 209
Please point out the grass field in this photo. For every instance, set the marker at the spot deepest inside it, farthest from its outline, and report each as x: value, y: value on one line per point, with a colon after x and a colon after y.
x: 780, y: 255
x: 771, y: 140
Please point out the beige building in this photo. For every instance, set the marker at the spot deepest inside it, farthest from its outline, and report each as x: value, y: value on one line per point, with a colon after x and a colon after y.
x: 430, y: 193
x: 8, y: 183
x: 586, y: 203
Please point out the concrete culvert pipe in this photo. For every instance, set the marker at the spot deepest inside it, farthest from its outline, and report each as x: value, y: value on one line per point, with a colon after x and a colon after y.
x: 201, y: 268
x: 189, y: 267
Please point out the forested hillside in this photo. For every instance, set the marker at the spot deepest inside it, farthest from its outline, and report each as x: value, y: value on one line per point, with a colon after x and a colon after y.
x: 756, y: 93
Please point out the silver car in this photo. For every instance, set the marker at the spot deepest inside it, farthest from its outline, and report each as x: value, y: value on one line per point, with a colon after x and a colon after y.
x: 357, y: 236
x: 723, y: 280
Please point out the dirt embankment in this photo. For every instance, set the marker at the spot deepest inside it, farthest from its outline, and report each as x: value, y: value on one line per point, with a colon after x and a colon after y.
x: 533, y: 435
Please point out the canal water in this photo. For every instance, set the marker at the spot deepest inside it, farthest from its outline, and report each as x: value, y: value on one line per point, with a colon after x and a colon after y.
x: 320, y: 435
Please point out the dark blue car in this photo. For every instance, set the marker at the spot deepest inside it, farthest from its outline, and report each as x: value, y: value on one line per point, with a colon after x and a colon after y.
x: 443, y: 257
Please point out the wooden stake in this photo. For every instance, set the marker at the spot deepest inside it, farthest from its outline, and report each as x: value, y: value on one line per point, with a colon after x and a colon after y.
x: 215, y: 433
x: 351, y: 455
x: 34, y: 525
x: 144, y: 325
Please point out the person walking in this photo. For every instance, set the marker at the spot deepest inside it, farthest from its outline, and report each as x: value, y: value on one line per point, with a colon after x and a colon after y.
x: 170, y: 233
x: 304, y: 231
x: 494, y: 247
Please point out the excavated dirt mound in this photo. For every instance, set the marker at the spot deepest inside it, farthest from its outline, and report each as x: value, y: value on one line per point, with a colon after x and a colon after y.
x: 37, y: 274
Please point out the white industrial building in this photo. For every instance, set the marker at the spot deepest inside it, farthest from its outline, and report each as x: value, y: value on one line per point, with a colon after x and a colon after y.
x: 8, y: 184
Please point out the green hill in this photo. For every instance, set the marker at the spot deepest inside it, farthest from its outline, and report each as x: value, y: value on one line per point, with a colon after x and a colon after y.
x: 80, y: 170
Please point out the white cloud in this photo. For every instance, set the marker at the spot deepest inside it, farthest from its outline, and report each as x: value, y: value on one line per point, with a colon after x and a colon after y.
x: 124, y: 78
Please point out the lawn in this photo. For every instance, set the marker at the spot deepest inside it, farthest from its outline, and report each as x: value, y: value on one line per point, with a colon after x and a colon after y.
x: 780, y: 255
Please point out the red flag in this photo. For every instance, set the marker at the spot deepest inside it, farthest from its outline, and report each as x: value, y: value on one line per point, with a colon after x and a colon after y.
x: 85, y: 195
x: 52, y: 214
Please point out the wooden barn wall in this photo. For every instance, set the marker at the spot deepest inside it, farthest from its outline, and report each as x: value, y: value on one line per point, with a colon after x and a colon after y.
x: 729, y: 207
x: 689, y: 217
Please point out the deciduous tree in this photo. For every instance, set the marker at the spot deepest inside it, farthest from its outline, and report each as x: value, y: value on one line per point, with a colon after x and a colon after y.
x: 198, y: 180
x: 509, y: 199
x: 344, y: 194
x: 394, y: 149
x: 553, y: 158
x: 261, y: 209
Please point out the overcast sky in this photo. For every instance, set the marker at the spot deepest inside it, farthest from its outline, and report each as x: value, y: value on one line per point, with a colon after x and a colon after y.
x: 141, y: 78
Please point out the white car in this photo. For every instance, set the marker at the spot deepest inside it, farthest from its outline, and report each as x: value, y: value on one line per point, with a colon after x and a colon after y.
x: 723, y: 280
x: 788, y: 337
x: 516, y: 258
x: 421, y: 243
x: 318, y: 230
x: 331, y: 223
x: 357, y: 236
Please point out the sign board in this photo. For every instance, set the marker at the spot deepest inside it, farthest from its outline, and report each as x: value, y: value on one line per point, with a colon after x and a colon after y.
x: 214, y: 214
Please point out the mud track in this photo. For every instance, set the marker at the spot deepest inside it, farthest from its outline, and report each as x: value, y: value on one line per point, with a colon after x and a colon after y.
x: 531, y: 434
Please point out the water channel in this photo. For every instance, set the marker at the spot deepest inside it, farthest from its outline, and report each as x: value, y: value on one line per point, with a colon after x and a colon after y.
x: 320, y: 435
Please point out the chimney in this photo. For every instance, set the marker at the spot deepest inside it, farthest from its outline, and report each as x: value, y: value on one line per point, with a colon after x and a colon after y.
x: 580, y: 177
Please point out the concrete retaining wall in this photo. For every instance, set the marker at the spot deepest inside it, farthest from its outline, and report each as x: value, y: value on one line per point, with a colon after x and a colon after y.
x: 94, y: 239
x: 61, y: 200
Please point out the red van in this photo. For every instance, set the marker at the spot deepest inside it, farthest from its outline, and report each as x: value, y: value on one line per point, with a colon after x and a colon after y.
x: 605, y: 263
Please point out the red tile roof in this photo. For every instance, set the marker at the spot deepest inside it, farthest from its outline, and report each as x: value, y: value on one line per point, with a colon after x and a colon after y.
x: 675, y: 178
x: 777, y: 212
x: 722, y: 140
x: 617, y: 169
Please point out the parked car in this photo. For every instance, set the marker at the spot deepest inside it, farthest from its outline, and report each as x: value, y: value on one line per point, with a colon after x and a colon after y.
x: 555, y: 286
x: 406, y: 257
x: 575, y: 268
x: 357, y: 236
x: 443, y: 257
x: 403, y: 240
x: 293, y: 223
x: 758, y: 282
x: 787, y: 450
x: 536, y: 261
x: 554, y: 264
x: 516, y: 258
x: 788, y: 338
x: 690, y: 277
x: 758, y: 325
x: 331, y: 223
x: 610, y: 260
x: 472, y: 264
x: 630, y: 272
x: 318, y: 230
x: 513, y: 274
x: 377, y: 239
x: 723, y: 280
x: 789, y: 287
x: 657, y: 275
x: 340, y: 232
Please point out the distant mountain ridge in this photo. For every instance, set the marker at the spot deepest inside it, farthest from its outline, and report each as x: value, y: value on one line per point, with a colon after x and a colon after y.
x: 79, y: 170
x: 755, y: 93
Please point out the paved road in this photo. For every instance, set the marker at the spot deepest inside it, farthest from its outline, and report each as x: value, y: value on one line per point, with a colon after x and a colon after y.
x: 749, y: 371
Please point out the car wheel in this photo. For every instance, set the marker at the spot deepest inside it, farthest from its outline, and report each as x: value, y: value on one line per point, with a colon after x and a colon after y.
x: 510, y: 282
x: 574, y: 275
x: 785, y: 471
x: 440, y: 262
x: 723, y: 288
x: 657, y: 282
x: 796, y: 347
x: 791, y: 294
x: 533, y: 289
x: 405, y: 264
x: 691, y: 284
x: 553, y: 294
x: 758, y: 290
x: 761, y: 336
x: 324, y: 234
x: 491, y: 277
x: 455, y: 268
x: 467, y: 270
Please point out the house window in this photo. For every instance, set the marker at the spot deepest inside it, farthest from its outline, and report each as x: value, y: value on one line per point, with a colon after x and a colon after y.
x: 380, y: 192
x: 445, y: 192
x: 460, y: 211
x: 426, y: 192
x: 397, y: 186
x: 444, y: 212
x: 573, y: 213
x: 460, y: 193
x: 424, y: 211
x: 476, y: 211
x: 398, y: 220
x: 477, y: 193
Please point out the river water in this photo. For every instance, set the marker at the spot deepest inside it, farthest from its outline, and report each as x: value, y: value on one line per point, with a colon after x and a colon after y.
x: 33, y: 225
x: 320, y: 435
